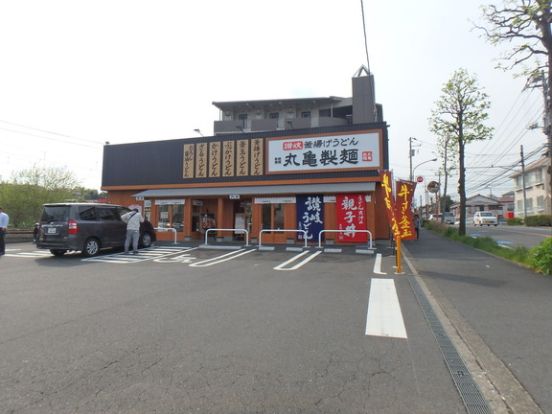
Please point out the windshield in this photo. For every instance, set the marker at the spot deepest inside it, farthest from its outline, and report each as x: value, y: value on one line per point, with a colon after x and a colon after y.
x: 487, y: 214
x: 54, y: 213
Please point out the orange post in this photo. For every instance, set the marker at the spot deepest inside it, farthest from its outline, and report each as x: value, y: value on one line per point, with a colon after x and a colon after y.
x: 399, y: 268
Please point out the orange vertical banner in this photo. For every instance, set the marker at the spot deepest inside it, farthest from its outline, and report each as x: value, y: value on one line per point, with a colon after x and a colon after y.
x: 403, y: 209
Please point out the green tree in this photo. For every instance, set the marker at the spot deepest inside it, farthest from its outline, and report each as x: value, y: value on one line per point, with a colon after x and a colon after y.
x: 524, y: 25
x: 23, y: 196
x: 459, y: 114
x: 448, y: 153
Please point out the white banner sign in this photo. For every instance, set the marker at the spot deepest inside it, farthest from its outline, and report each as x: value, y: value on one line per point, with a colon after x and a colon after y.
x: 168, y: 202
x: 275, y: 200
x: 339, y: 152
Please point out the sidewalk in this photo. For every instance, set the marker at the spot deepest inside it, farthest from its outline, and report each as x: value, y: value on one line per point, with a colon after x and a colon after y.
x: 503, y: 306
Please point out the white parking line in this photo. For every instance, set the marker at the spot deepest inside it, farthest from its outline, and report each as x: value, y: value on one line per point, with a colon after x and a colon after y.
x: 143, y: 255
x: 384, y: 316
x: 282, y: 266
x: 377, y: 265
x: 223, y: 258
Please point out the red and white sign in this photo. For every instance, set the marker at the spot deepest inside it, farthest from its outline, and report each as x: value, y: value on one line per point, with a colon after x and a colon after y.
x: 320, y: 153
x: 351, y: 215
x: 420, y: 179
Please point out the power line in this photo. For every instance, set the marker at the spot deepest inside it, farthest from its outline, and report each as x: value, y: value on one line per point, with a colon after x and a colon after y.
x: 51, y: 138
x: 49, y: 132
x: 365, y: 37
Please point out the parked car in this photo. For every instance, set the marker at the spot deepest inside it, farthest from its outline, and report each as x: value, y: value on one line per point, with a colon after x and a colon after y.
x: 485, y: 217
x: 86, y: 227
x: 449, y: 218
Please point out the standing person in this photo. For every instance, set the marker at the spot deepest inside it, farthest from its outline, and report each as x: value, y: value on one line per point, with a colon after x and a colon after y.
x: 417, y: 226
x: 133, y: 219
x: 4, y: 220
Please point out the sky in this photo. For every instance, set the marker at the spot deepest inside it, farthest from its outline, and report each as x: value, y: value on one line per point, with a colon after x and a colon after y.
x: 76, y: 74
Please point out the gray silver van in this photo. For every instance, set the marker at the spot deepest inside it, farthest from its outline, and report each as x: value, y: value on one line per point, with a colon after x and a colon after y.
x: 85, y: 227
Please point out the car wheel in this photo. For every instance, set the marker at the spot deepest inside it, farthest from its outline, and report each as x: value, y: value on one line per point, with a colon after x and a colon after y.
x: 57, y: 252
x: 91, y: 247
x: 145, y: 240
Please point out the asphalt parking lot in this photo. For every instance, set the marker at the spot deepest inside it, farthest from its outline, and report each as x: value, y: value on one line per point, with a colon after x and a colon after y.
x: 177, y: 329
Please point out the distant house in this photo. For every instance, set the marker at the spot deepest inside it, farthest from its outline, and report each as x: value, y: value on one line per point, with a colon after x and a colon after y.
x: 537, y: 189
x: 479, y: 203
x: 508, y: 204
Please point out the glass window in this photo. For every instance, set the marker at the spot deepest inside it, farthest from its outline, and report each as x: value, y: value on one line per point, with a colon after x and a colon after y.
x: 267, y: 216
x: 242, y: 117
x: 540, y: 201
x: 87, y: 213
x: 106, y: 214
x: 55, y: 213
x: 324, y: 113
x: 305, y: 114
x: 274, y: 115
x: 163, y: 216
x: 278, y: 216
x: 177, y: 217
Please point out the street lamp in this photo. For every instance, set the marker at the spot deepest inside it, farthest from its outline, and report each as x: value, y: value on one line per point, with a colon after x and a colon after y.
x: 198, y: 131
x: 414, y: 169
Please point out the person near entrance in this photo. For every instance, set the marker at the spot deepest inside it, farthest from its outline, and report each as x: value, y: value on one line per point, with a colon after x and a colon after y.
x: 133, y: 219
x: 207, y: 222
x: 4, y: 220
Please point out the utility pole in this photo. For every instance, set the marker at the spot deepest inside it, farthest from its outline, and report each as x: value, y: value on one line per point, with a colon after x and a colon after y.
x: 523, y: 183
x: 547, y: 117
x: 410, y: 155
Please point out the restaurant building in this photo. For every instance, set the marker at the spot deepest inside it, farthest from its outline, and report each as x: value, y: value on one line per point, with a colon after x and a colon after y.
x: 299, y: 165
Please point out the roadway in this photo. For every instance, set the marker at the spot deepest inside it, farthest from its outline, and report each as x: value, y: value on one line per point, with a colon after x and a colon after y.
x: 511, y: 235
x: 181, y: 329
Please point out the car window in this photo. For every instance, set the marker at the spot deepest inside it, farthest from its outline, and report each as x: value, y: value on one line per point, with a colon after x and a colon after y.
x: 54, y: 213
x: 122, y: 210
x: 87, y: 213
x: 107, y: 213
x: 487, y: 214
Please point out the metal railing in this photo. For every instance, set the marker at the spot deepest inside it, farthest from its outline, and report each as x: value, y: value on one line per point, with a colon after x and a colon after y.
x: 169, y: 229
x: 234, y: 230
x: 280, y: 230
x: 344, y: 231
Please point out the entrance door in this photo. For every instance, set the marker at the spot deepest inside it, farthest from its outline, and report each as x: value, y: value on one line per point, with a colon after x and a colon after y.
x: 273, y: 218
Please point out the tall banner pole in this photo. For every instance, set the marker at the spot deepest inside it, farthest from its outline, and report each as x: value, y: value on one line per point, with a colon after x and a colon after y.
x: 399, y: 267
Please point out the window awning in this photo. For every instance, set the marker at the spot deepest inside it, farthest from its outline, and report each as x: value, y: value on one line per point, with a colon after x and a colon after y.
x: 260, y: 190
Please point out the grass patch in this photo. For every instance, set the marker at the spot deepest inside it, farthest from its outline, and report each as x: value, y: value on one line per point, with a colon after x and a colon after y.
x: 538, y: 258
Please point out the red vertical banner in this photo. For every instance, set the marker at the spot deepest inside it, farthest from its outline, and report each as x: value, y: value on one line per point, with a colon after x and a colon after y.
x: 403, y: 209
x: 351, y: 215
x: 389, y: 201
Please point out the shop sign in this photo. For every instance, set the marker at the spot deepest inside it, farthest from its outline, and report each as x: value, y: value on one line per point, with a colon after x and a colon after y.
x: 257, y: 167
x: 242, y: 166
x: 147, y: 203
x: 322, y: 153
x: 310, y: 215
x: 329, y: 199
x: 351, y: 216
x: 228, y: 158
x: 168, y: 202
x: 403, y: 209
x: 389, y: 202
x: 188, y: 164
x: 234, y: 196
x: 275, y: 200
x: 197, y: 203
x: 214, y: 159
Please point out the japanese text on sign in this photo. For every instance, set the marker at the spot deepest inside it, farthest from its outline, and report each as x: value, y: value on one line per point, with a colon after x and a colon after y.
x: 350, y: 217
x: 310, y: 215
x: 324, y: 153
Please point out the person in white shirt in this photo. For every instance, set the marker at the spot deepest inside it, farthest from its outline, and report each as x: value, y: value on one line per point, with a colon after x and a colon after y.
x: 4, y: 220
x: 132, y: 219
